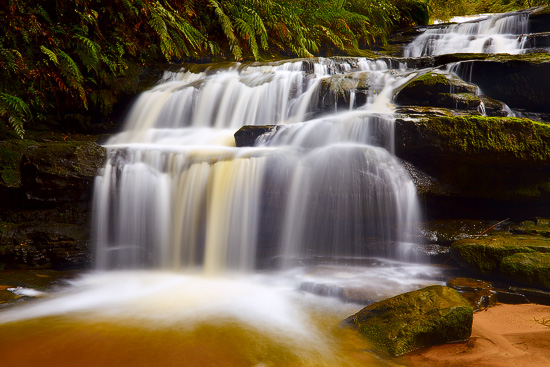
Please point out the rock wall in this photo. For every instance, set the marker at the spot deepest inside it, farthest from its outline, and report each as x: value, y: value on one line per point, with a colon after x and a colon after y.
x: 46, y: 185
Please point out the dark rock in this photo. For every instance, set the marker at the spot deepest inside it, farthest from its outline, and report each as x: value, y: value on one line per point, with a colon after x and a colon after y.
x: 513, y: 79
x: 46, y: 191
x: 61, y: 171
x: 426, y: 317
x: 246, y: 136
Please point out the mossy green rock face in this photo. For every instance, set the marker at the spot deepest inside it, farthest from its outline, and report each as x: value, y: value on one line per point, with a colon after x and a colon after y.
x: 528, y: 268
x: 485, y: 255
x: 429, y: 316
x: 439, y: 89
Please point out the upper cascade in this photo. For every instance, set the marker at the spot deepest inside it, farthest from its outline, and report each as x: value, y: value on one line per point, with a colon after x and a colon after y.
x: 176, y: 192
x: 499, y: 33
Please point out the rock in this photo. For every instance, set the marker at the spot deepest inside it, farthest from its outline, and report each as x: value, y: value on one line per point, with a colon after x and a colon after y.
x: 45, y: 205
x: 61, y: 171
x: 340, y: 91
x: 484, y: 255
x: 439, y: 89
x: 513, y: 79
x: 490, y: 158
x: 246, y: 136
x: 532, y: 269
x: 426, y: 317
x: 479, y: 293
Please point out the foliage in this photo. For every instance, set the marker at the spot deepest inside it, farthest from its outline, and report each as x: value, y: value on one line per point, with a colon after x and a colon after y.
x: 67, y: 57
x: 444, y: 10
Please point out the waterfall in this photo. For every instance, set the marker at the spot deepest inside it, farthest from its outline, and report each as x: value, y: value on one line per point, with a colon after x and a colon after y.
x: 176, y: 193
x: 503, y: 33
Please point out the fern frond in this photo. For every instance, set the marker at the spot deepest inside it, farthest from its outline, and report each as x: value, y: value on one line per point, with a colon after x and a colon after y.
x: 89, y: 52
x: 50, y: 54
x: 227, y: 28
x: 16, y: 110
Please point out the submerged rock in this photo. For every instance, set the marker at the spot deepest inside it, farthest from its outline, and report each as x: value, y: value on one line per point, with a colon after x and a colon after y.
x: 480, y: 293
x: 426, y: 317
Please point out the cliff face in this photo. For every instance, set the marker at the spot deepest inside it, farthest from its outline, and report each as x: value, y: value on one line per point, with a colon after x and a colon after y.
x: 46, y: 189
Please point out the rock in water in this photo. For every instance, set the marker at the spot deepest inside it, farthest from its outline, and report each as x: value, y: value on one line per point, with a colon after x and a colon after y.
x: 430, y: 316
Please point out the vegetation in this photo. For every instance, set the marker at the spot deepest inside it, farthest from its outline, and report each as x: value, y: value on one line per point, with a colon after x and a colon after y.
x: 62, y: 57
x: 443, y: 10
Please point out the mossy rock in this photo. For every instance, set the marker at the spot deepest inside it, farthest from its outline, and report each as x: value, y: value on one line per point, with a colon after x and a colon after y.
x: 437, y: 88
x: 485, y: 255
x: 430, y: 316
x: 531, y: 269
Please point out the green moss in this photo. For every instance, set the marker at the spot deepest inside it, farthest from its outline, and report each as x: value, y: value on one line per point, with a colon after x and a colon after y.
x: 520, y: 138
x: 484, y: 255
x: 531, y: 269
x: 430, y: 316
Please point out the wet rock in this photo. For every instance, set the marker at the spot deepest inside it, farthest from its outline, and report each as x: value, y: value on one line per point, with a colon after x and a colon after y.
x: 513, y: 79
x: 426, y: 317
x: 532, y: 269
x: 439, y: 89
x: 344, y: 91
x: 479, y: 293
x: 247, y: 135
x: 485, y: 255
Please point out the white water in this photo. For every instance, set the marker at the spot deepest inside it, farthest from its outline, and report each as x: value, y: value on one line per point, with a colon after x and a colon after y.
x: 501, y: 33
x: 176, y: 193
x: 187, y: 219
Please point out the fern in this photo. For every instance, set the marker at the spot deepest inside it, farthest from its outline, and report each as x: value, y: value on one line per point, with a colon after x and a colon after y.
x: 50, y: 54
x: 89, y: 52
x: 16, y: 110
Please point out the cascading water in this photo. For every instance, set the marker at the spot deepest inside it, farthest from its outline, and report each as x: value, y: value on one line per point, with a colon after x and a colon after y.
x: 177, y: 193
x: 494, y: 34
x: 183, y: 219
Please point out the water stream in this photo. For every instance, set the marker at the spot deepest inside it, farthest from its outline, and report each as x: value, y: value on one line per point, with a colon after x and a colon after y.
x: 208, y: 254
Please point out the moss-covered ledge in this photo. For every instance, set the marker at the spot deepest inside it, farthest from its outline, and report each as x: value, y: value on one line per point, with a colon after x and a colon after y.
x: 504, y: 140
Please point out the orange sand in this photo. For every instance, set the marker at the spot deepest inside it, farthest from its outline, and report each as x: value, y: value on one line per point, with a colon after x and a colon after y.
x: 502, y: 336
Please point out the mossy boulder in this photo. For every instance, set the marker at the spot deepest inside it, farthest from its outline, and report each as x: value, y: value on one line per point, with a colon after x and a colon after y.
x: 341, y: 91
x: 532, y: 269
x: 439, y: 89
x: 430, y: 316
x: 485, y: 255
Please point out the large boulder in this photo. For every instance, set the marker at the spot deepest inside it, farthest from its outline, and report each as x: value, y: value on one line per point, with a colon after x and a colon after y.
x: 426, y: 317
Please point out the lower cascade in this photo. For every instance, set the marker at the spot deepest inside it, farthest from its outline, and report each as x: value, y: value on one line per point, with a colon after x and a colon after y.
x: 176, y: 193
